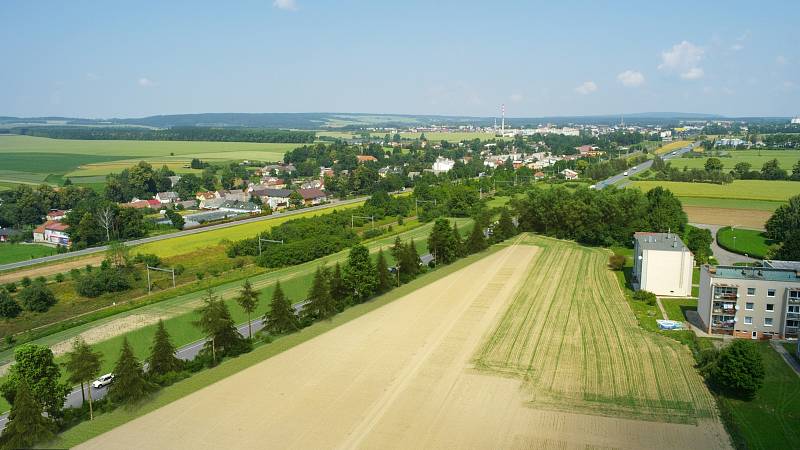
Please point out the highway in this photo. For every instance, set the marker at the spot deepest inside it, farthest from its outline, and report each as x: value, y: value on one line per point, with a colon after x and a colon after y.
x: 92, y: 250
x: 186, y: 353
x: 642, y: 167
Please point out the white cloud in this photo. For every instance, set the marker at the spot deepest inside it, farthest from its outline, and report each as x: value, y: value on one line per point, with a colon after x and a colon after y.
x: 146, y: 82
x: 286, y: 5
x: 631, y: 78
x: 737, y: 47
x: 789, y: 85
x: 92, y: 76
x: 516, y: 98
x: 781, y: 60
x: 683, y: 58
x: 693, y: 74
x: 587, y: 87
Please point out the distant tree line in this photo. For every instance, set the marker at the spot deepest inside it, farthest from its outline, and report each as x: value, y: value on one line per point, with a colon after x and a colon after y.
x: 171, y: 134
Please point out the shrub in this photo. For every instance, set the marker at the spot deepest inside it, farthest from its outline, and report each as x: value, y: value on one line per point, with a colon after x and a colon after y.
x: 645, y: 296
x: 25, y: 282
x: 37, y: 297
x: 11, y: 287
x: 59, y: 278
x: 9, y: 308
x: 739, y: 369
x: 179, y: 269
x: 75, y: 274
x: 200, y: 275
x: 148, y: 259
x: 616, y: 261
x: 89, y: 268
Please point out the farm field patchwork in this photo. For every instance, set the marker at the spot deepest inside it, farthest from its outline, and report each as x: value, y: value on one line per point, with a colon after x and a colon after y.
x: 20, y: 252
x: 777, y: 191
x: 571, y: 336
x: 401, y: 373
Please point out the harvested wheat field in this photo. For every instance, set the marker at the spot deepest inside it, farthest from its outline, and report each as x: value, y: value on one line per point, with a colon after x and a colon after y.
x: 750, y: 218
x: 404, y: 376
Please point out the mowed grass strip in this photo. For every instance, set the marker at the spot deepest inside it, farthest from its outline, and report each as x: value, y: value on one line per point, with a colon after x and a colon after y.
x: 105, y: 422
x: 571, y: 336
x: 777, y: 191
x: 750, y: 242
x: 676, y: 307
x: 20, y: 252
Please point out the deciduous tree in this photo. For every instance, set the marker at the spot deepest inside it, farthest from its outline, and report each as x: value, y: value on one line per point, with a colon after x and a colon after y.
x: 83, y: 364
x: 35, y: 365
x: 359, y: 275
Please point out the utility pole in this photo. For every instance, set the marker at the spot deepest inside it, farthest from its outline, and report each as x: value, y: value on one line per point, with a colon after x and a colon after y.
x: 260, y: 240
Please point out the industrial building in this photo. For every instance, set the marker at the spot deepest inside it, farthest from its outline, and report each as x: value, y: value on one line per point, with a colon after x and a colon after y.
x: 751, y: 302
x: 662, y: 264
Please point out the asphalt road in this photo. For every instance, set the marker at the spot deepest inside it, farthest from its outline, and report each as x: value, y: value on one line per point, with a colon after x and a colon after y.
x: 724, y: 257
x: 642, y: 167
x: 186, y: 353
x: 89, y: 251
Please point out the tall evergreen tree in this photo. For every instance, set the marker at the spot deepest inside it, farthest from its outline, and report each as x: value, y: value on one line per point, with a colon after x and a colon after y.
x: 321, y: 304
x: 397, y: 249
x: 280, y: 318
x: 248, y: 301
x: 216, y: 322
x: 359, y: 275
x: 83, y: 364
x: 505, y: 226
x: 440, y: 242
x: 409, y: 266
x: 162, y: 359
x: 338, y: 288
x: 476, y: 242
x: 384, y: 283
x: 26, y: 425
x: 130, y: 385
x: 457, y: 242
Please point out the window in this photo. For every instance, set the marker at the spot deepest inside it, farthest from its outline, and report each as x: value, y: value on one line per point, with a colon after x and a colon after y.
x: 768, y: 321
x: 748, y: 306
x: 793, y: 323
x: 793, y: 309
x: 748, y: 320
x: 770, y: 292
x: 794, y: 295
x: 770, y: 307
x: 751, y: 292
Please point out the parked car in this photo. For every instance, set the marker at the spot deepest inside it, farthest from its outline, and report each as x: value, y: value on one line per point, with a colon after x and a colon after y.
x: 103, y: 381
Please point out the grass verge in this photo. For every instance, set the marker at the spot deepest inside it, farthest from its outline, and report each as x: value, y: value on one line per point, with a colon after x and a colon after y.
x: 743, y: 241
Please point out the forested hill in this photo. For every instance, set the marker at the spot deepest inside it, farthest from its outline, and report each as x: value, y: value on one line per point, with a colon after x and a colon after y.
x: 171, y: 134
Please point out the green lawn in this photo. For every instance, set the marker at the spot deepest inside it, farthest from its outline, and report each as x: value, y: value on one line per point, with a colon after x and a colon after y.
x: 676, y: 307
x: 770, y: 420
x: 757, y: 158
x: 20, y: 252
x: 761, y: 205
x: 751, y: 242
x: 776, y: 191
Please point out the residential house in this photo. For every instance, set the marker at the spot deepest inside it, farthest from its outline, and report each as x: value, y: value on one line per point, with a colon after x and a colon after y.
x: 366, y: 158
x: 167, y: 197
x: 52, y: 232
x: 662, y: 264
x: 412, y: 175
x: 208, y: 195
x: 233, y: 195
x: 187, y: 204
x: 56, y: 214
x: 325, y: 172
x: 312, y: 196
x: 569, y: 174
x: 273, y: 182
x: 275, y: 169
x: 751, y: 302
x: 212, y: 203
x: 276, y: 198
x: 539, y: 176
x: 383, y: 172
x: 173, y: 180
x: 239, y: 207
x: 7, y: 233
x: 442, y: 165
x: 588, y: 150
x: 312, y: 184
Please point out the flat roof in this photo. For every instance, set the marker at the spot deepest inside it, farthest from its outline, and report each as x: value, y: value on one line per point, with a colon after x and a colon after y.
x: 755, y: 273
x: 659, y: 241
x: 788, y: 265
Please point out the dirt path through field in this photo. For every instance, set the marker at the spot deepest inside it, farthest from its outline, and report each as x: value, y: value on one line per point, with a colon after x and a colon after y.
x: 398, y: 377
x: 51, y: 269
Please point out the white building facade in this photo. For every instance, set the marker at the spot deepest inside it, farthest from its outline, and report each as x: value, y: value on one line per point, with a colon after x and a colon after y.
x: 662, y: 265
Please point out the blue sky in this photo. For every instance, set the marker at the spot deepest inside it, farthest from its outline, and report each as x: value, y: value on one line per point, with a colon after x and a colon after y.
x: 92, y: 59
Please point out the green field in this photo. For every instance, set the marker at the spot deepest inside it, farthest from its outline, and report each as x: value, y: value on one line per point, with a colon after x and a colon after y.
x: 20, y: 252
x: 668, y: 147
x: 750, y: 242
x: 31, y: 159
x: 776, y: 191
x: 761, y: 205
x: 571, y: 336
x: 456, y: 136
x: 757, y: 158
x: 771, y: 419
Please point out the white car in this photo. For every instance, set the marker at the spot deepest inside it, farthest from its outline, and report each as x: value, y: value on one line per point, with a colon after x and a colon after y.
x: 103, y: 381
x: 625, y: 174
